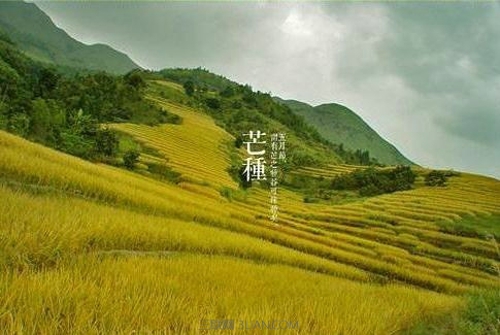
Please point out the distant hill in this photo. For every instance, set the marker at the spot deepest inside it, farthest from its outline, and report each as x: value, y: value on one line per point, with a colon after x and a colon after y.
x: 349, y: 138
x: 339, y: 124
x: 238, y: 109
x: 137, y: 182
x: 35, y: 33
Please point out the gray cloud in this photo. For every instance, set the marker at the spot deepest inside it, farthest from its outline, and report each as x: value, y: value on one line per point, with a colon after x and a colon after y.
x: 446, y: 53
x: 426, y: 76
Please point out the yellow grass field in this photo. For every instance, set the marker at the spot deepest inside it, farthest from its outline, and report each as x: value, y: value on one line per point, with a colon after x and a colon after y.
x: 93, y: 249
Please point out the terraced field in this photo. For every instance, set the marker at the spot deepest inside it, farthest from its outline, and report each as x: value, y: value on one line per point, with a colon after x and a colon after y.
x: 327, y: 172
x: 198, y: 138
x: 89, y: 248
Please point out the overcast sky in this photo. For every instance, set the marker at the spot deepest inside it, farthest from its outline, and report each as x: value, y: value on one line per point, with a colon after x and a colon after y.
x: 425, y: 76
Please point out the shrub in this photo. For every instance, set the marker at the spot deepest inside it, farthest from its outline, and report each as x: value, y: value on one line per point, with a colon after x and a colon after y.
x: 310, y: 200
x: 167, y: 117
x: 436, y: 178
x: 369, y: 190
x: 213, y: 103
x: 130, y: 158
x: 227, y: 193
x: 164, y: 172
x: 189, y: 87
x: 135, y: 79
x: 106, y: 142
x: 371, y: 182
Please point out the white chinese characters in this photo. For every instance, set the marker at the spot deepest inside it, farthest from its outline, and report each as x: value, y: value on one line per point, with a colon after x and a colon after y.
x: 255, y: 164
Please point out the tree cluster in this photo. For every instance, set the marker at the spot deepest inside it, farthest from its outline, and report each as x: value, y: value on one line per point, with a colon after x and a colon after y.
x: 42, y: 104
x: 372, y: 181
x: 437, y: 178
x: 237, y: 108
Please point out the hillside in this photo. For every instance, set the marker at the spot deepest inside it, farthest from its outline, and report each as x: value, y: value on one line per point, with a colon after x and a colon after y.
x: 129, y: 217
x: 238, y: 108
x: 350, y: 138
x: 35, y: 33
x: 339, y: 124
x: 90, y: 235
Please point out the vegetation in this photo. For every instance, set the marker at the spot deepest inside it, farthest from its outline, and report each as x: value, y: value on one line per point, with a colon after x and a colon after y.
x: 175, y: 239
x: 164, y: 172
x: 39, y: 103
x: 371, y: 181
x: 189, y: 87
x: 130, y: 158
x: 483, y: 226
x: 81, y: 227
x: 438, y: 178
x: 358, y: 156
x: 481, y: 316
x: 342, y: 126
x: 48, y: 44
x: 238, y: 109
x: 106, y: 142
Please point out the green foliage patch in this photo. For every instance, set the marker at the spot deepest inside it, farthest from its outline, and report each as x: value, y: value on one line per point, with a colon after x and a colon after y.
x: 66, y: 112
x: 480, y: 317
x: 371, y: 181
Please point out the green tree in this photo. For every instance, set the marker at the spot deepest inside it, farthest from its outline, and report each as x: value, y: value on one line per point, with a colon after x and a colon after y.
x: 78, y: 137
x: 238, y: 142
x: 3, y: 115
x: 372, y: 181
x: 19, y: 124
x: 82, y: 123
x: 135, y: 79
x: 130, y: 158
x: 106, y: 142
x: 436, y: 178
x: 244, y: 183
x: 189, y: 87
x: 227, y: 92
x: 47, y: 81
x: 47, y: 121
x: 75, y: 144
x: 213, y: 103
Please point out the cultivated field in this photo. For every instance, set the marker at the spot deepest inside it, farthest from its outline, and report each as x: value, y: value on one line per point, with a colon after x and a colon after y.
x: 94, y: 249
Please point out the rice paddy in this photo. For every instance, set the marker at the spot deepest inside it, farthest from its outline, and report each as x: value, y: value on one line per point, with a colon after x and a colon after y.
x: 94, y: 249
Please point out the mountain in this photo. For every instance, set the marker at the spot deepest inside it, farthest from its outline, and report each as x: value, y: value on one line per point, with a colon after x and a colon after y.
x: 35, y: 33
x: 238, y: 109
x: 339, y: 124
x: 151, y: 213
x: 41, y: 40
x: 78, y: 237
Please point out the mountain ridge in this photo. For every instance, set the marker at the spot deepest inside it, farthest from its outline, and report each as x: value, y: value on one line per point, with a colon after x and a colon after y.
x: 42, y: 40
x: 341, y: 125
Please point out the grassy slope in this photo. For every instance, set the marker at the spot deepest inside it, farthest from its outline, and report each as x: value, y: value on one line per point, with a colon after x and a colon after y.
x: 43, y: 41
x: 92, y: 248
x: 197, y: 134
x: 341, y: 125
x: 244, y: 109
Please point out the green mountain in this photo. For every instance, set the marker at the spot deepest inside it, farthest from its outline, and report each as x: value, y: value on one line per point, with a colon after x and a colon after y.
x: 339, y: 124
x: 238, y: 108
x: 35, y: 33
x: 234, y: 106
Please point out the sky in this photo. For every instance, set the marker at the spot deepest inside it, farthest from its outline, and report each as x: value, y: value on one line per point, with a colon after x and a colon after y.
x: 425, y: 76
